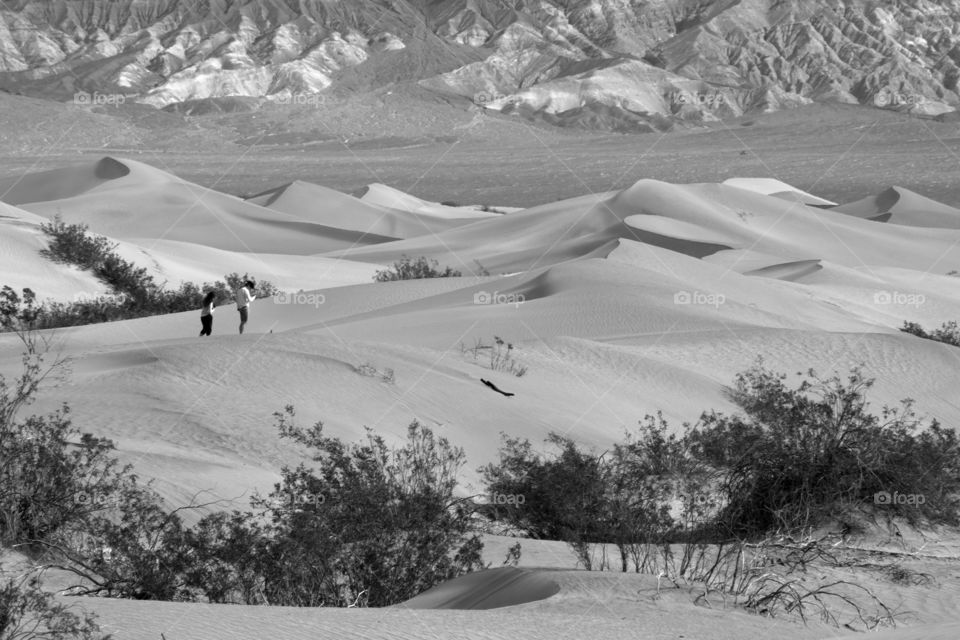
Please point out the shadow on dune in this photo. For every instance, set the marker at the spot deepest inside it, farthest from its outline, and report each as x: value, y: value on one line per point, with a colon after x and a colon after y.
x: 58, y: 184
x: 691, y: 248
x: 490, y: 589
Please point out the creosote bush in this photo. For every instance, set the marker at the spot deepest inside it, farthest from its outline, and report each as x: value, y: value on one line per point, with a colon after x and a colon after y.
x: 729, y: 502
x: 133, y: 292
x: 799, y: 456
x: 409, y: 269
x: 371, y: 525
x: 501, y: 355
x: 29, y: 613
x: 948, y: 333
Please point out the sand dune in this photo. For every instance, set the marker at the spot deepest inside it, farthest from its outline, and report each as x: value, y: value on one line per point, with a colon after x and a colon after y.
x: 342, y: 211
x: 174, y: 262
x: 386, y: 196
x: 588, y: 605
x: 779, y: 189
x: 903, y: 207
x: 940, y: 631
x: 490, y: 589
x: 606, y: 341
x: 57, y: 184
x: 22, y: 265
x: 619, y: 304
x: 699, y: 220
x: 148, y: 203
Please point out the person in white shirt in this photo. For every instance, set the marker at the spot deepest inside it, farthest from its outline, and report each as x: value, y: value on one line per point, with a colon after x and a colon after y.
x: 206, y: 314
x: 244, y: 298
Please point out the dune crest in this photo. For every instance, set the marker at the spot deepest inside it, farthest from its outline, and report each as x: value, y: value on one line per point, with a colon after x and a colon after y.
x: 57, y: 184
x: 903, y: 207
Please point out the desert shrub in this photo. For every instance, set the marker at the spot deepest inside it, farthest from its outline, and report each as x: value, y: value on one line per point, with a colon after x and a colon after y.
x: 409, y: 269
x: 230, y: 557
x: 134, y: 292
x: 63, y: 494
x: 28, y: 613
x: 262, y: 288
x: 557, y: 497
x: 586, y: 499
x: 390, y: 514
x: 48, y: 467
x: 797, y: 457
x: 370, y: 371
x: 371, y: 526
x: 948, y: 333
x: 501, y: 355
x: 642, y: 474
x: 72, y: 244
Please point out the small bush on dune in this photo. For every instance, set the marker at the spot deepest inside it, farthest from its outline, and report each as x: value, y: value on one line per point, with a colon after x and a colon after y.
x: 409, y: 269
x: 134, y: 292
x: 799, y: 456
x: 47, y: 465
x: 501, y: 355
x: 28, y: 613
x: 371, y: 526
x: 753, y: 485
x: 72, y: 244
x: 391, y: 515
x: 948, y: 333
x: 262, y: 288
x: 558, y: 497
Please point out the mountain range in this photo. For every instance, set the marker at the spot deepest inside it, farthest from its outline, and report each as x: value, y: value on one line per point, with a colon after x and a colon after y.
x: 634, y: 65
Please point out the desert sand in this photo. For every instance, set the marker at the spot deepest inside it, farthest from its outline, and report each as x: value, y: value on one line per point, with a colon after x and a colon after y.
x: 620, y: 304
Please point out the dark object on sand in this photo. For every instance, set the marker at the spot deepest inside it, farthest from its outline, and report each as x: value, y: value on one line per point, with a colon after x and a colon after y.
x: 494, y: 387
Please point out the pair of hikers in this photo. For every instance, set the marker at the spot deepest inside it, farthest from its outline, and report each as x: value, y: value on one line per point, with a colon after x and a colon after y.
x: 244, y: 297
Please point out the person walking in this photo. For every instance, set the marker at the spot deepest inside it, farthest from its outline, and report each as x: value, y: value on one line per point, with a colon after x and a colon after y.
x: 244, y: 298
x: 206, y: 314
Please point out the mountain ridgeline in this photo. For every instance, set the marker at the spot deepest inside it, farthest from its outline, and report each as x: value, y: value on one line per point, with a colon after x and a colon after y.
x: 620, y: 64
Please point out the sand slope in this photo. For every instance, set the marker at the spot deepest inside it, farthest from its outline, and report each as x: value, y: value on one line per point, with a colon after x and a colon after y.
x: 698, y: 220
x: 22, y: 265
x: 387, y: 196
x: 904, y: 207
x: 342, y: 211
x: 150, y: 203
x: 779, y: 189
x: 62, y: 183
x: 490, y: 589
x: 587, y: 605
